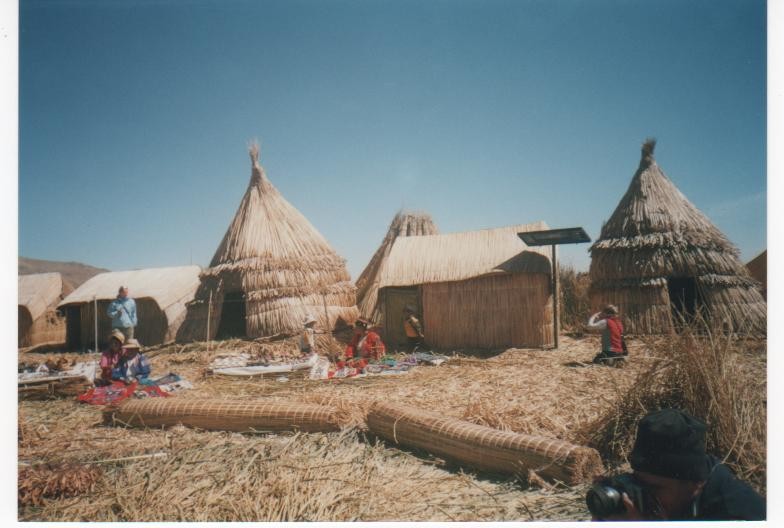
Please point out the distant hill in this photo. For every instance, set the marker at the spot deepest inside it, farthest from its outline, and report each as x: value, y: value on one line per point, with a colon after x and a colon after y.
x: 74, y: 273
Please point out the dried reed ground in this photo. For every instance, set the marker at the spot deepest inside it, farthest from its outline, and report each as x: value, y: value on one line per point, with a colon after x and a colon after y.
x: 342, y: 476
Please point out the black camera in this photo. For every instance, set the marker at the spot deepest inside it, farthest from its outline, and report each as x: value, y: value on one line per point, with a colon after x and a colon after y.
x: 605, y: 498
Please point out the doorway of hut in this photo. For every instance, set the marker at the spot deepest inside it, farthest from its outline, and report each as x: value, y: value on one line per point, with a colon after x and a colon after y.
x: 395, y: 302
x: 73, y: 328
x: 232, y: 319
x: 685, y: 299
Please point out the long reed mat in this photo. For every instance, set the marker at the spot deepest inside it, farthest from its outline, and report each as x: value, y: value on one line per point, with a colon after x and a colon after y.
x: 225, y: 415
x: 483, y: 447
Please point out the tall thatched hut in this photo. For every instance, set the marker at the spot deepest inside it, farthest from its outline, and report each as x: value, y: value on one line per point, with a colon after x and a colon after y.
x: 272, y: 268
x: 662, y: 261
x: 404, y: 224
x: 477, y: 289
x: 160, y: 294
x: 38, y: 319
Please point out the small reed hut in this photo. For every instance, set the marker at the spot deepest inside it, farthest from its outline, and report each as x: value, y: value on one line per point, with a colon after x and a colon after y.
x: 160, y: 294
x: 272, y: 268
x: 405, y: 224
x: 478, y: 289
x: 663, y: 262
x: 39, y: 322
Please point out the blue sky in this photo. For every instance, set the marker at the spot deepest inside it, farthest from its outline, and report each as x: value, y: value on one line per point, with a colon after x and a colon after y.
x: 134, y: 117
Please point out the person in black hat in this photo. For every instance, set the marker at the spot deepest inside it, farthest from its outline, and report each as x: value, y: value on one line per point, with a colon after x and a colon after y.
x: 670, y: 463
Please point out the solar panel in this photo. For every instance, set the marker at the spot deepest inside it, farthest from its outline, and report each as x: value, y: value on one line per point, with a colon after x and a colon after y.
x: 568, y: 235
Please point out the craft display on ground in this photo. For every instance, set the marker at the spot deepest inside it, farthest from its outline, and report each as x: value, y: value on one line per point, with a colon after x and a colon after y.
x: 54, y: 378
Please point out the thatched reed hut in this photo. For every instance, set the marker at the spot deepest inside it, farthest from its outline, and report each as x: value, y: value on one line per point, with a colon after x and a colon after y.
x: 404, y: 224
x: 478, y: 289
x: 272, y: 268
x: 758, y: 267
x: 662, y: 262
x: 39, y: 322
x: 160, y: 294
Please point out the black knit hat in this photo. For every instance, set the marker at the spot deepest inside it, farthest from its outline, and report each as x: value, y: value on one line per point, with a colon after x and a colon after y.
x: 670, y: 443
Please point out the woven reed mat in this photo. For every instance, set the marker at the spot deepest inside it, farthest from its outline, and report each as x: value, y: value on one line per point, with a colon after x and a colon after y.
x: 483, y: 447
x: 224, y: 415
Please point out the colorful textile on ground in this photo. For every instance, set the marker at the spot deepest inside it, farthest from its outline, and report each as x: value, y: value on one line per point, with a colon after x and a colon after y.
x: 119, y: 391
x: 85, y: 370
x: 320, y: 370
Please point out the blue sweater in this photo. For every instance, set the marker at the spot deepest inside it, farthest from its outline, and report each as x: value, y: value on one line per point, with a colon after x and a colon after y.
x: 122, y: 312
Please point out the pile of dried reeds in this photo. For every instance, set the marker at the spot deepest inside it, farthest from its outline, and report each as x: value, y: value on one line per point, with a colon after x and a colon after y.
x: 575, y: 304
x: 716, y: 377
x: 55, y: 481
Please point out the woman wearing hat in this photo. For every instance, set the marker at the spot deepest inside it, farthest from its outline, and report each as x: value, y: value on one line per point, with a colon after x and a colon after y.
x: 613, y: 346
x: 307, y: 340
x: 365, y: 343
x: 111, y: 357
x: 135, y: 364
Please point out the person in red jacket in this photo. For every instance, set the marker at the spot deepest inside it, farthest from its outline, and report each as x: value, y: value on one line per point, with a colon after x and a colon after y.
x: 366, y: 343
x: 613, y: 346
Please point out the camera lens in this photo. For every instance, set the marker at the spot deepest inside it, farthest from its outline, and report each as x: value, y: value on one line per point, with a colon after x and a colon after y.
x: 603, y: 501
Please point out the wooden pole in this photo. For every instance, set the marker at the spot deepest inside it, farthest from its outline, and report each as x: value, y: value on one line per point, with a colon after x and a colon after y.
x: 555, y: 300
x: 95, y: 309
x: 209, y: 313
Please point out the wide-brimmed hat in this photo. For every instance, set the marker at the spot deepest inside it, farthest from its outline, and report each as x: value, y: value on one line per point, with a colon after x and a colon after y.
x: 308, y: 319
x: 119, y: 336
x: 132, y: 343
x: 611, y: 309
x: 671, y: 443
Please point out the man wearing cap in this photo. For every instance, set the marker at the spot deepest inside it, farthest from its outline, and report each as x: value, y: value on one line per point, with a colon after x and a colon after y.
x: 670, y: 463
x: 122, y: 310
x: 613, y: 346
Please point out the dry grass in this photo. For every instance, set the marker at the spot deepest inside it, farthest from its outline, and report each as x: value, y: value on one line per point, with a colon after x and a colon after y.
x: 575, y: 304
x: 717, y: 378
x: 201, y: 475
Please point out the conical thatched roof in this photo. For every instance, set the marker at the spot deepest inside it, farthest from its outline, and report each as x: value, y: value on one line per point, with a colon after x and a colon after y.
x: 655, y: 233
x: 405, y: 224
x: 279, y: 262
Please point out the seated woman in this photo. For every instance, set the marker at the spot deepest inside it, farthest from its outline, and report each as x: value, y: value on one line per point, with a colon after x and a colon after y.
x: 135, y: 364
x: 366, y: 344
x: 111, y: 358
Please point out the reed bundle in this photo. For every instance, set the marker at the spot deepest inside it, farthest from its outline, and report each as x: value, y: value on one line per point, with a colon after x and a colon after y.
x: 483, y: 447
x: 227, y: 415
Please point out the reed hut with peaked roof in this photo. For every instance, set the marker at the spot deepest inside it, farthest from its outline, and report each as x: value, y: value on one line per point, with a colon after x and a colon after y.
x: 271, y: 269
x: 38, y: 319
x: 474, y: 290
x: 662, y: 261
x: 161, y: 295
x: 404, y: 224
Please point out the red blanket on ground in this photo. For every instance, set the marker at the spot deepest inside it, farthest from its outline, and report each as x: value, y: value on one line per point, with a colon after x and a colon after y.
x: 117, y: 392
